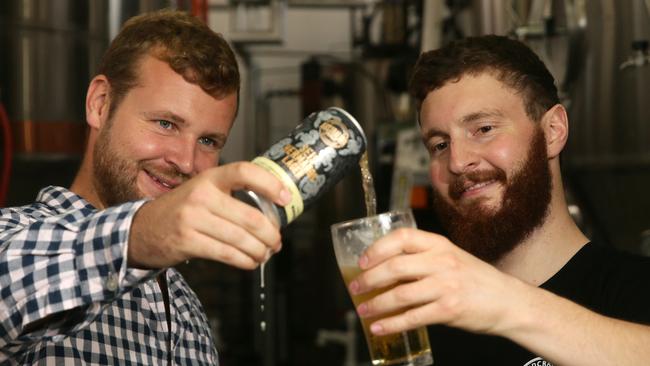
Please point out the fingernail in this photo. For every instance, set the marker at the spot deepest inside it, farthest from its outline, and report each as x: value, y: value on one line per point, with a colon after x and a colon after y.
x: 363, y: 262
x: 354, y: 287
x: 377, y: 328
x: 362, y: 309
x: 285, y: 196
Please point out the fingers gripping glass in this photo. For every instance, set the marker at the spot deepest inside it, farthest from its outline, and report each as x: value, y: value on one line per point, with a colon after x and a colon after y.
x: 351, y: 239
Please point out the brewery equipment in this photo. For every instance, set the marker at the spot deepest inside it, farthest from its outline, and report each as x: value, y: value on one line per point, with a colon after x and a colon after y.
x: 50, y: 50
x: 609, y: 141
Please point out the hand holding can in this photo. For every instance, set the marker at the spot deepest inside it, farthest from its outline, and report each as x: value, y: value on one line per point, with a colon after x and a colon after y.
x: 310, y: 160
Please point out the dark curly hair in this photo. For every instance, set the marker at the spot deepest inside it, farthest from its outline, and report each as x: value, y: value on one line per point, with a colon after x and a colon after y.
x: 510, y: 61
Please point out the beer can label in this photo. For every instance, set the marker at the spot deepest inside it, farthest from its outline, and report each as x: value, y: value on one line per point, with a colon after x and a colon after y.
x: 295, y: 207
x: 314, y: 157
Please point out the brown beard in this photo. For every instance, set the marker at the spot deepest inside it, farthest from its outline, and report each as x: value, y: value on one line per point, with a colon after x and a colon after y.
x: 487, y: 233
x: 114, y: 177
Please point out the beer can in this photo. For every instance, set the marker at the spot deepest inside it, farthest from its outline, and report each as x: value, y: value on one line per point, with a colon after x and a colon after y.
x: 316, y: 155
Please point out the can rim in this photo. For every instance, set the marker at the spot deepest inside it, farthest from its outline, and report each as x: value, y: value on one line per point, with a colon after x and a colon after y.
x: 264, y: 205
x: 354, y: 121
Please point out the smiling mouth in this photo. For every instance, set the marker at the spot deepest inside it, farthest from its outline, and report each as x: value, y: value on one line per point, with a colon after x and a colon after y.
x: 477, y: 186
x: 161, y: 181
x: 470, y: 190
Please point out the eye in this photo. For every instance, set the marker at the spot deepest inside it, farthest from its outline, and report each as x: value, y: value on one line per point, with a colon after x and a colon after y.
x: 165, y: 124
x: 441, y: 146
x: 206, y: 141
x: 485, y: 129
x: 435, y: 148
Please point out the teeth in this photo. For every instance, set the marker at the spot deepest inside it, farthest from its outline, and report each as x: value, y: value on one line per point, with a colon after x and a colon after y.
x: 477, y: 186
x: 161, y: 182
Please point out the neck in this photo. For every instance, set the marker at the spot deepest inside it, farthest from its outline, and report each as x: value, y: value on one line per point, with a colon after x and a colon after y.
x: 549, y: 247
x: 83, y: 184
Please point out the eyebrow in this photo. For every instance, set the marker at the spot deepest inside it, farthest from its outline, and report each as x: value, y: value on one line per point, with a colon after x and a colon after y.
x: 472, y: 117
x: 166, y: 115
x: 481, y: 115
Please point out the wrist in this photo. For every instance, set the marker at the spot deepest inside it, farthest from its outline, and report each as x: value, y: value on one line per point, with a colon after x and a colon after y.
x: 523, y: 310
x: 137, y: 237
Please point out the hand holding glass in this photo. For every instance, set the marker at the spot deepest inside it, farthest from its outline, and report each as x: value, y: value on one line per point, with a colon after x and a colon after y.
x: 351, y: 239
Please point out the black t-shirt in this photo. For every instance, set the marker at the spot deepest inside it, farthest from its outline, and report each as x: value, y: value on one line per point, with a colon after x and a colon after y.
x: 607, y: 281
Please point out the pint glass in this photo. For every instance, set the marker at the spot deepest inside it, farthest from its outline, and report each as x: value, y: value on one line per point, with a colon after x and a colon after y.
x: 350, y: 239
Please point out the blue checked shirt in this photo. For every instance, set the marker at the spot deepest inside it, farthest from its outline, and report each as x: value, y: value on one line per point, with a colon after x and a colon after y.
x: 67, y: 296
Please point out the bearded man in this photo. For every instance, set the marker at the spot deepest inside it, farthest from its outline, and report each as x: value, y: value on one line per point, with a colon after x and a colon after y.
x: 86, y: 273
x: 516, y: 282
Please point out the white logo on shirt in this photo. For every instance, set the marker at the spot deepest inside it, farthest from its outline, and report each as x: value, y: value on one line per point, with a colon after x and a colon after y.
x: 538, y: 361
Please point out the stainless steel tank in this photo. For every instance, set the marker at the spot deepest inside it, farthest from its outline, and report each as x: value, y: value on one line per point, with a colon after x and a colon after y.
x: 607, y: 160
x: 49, y: 50
x: 610, y: 118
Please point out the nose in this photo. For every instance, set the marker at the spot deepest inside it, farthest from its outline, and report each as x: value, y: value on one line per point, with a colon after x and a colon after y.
x: 181, y: 154
x: 462, y: 157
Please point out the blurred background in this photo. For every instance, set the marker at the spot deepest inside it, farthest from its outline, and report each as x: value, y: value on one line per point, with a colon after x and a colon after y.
x: 298, y: 56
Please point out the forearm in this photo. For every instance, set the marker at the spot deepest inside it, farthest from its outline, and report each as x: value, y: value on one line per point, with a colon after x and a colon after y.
x: 565, y: 333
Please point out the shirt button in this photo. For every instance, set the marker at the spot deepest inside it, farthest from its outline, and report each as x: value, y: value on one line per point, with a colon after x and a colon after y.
x: 111, y: 282
x: 58, y: 338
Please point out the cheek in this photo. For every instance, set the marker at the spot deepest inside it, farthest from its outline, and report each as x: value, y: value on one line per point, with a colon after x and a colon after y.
x: 139, y: 149
x: 147, y: 149
x: 439, y: 176
x: 506, y: 156
x: 205, y: 161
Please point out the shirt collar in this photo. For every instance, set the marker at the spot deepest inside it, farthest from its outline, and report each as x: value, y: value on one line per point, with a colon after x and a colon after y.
x: 62, y: 199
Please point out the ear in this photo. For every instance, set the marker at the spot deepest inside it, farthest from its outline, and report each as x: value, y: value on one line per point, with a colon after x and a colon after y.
x: 555, y: 124
x: 97, y: 101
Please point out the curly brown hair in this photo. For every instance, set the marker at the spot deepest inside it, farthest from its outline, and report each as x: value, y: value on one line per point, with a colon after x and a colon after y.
x: 186, y: 44
x: 510, y: 61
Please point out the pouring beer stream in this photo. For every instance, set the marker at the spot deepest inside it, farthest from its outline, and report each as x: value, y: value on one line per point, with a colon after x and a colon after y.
x: 315, y: 156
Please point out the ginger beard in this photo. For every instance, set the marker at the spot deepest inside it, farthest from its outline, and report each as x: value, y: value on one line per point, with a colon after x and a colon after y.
x: 490, y: 233
x: 115, y: 176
